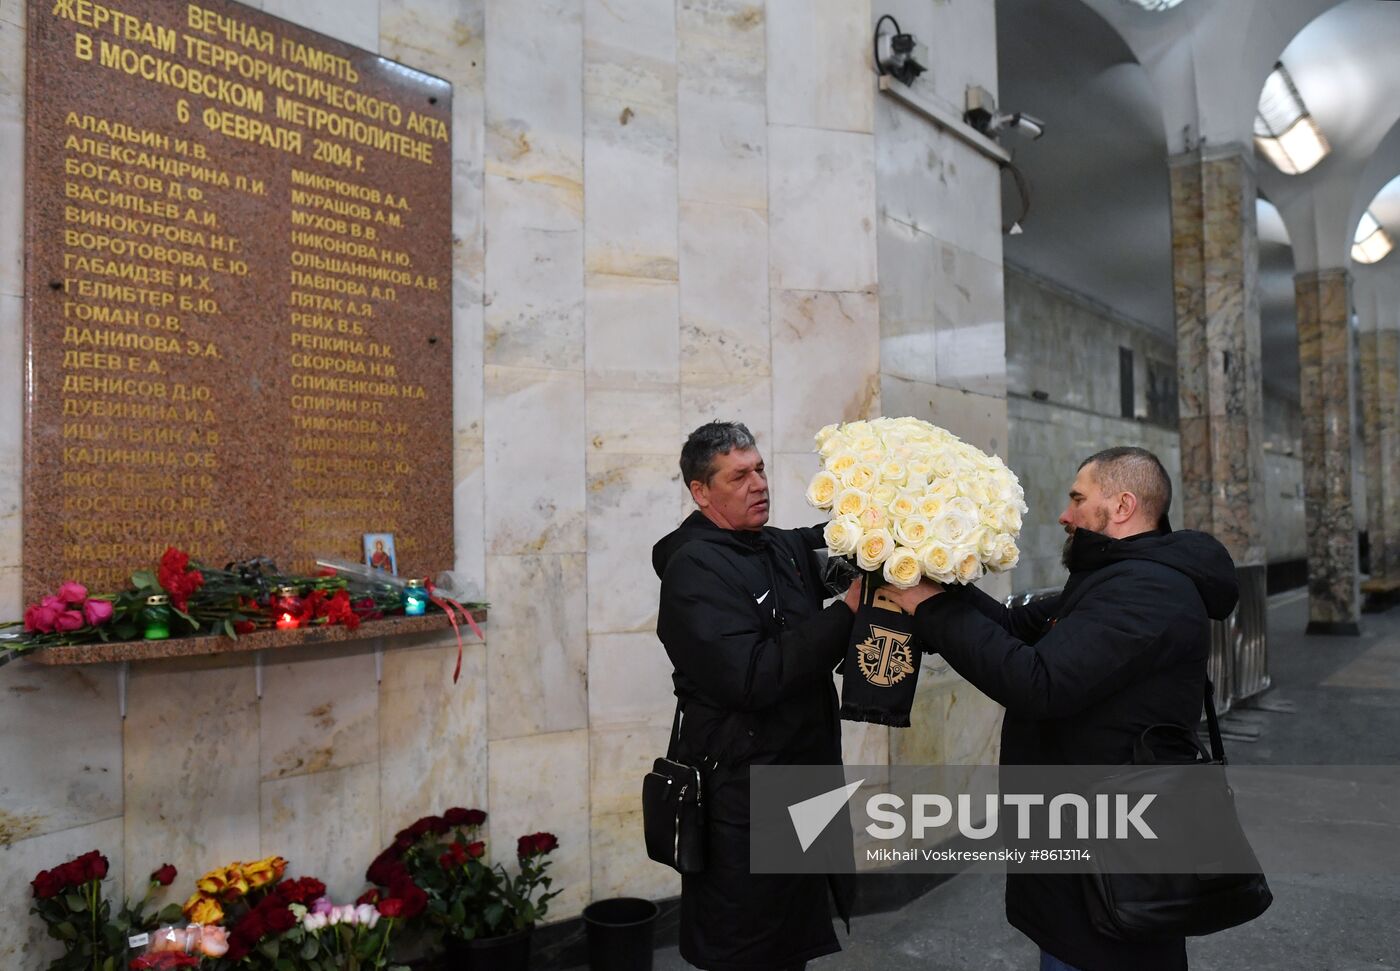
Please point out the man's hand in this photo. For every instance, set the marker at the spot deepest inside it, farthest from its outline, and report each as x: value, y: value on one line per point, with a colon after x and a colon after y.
x: 852, y: 597
x: 910, y: 599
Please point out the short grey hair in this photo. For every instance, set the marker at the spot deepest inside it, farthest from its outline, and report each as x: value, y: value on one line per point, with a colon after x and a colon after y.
x: 1128, y: 468
x: 707, y: 441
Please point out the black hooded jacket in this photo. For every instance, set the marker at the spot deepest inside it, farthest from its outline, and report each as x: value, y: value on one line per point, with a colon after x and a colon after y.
x: 753, y: 650
x: 1123, y: 647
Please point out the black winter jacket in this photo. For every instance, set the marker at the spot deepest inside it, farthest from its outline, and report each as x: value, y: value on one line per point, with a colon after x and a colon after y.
x: 742, y: 621
x: 1123, y: 647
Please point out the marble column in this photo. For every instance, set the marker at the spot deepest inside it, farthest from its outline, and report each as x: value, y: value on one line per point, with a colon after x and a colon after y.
x: 1380, y: 421
x: 1324, y: 352
x: 1215, y: 269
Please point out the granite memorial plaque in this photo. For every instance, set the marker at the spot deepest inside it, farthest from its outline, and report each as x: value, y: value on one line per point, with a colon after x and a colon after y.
x: 238, y: 294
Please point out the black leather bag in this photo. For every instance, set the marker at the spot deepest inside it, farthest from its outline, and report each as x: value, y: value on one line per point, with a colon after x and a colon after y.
x: 673, y: 810
x: 1143, y: 907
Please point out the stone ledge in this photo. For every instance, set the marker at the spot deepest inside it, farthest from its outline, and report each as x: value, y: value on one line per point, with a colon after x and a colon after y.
x: 104, y: 652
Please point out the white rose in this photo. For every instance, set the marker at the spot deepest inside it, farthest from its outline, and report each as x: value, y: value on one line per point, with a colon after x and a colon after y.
x: 937, y: 561
x: 822, y: 489
x: 984, y: 540
x: 850, y: 502
x: 841, y: 535
x: 975, y: 489
x: 874, y: 548
x: 912, y: 531
x: 893, y: 472
x: 866, y: 443
x: 874, y: 517
x: 825, y: 434
x: 904, y: 505
x: 943, y: 463
x: 902, y: 569
x: 991, y: 515
x: 944, y: 489
x: 831, y: 446
x: 930, y: 505
x: 953, y: 527
x: 861, y: 476
x: 967, y: 565
x: 1006, y: 555
x: 883, y: 494
x: 915, y: 483
x: 856, y: 429
x: 1010, y: 519
x: 841, y: 461
x: 964, y: 507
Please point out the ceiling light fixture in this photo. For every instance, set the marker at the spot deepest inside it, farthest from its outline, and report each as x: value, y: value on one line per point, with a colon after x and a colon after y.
x: 1283, y: 129
x: 1154, y: 5
x: 1371, y: 243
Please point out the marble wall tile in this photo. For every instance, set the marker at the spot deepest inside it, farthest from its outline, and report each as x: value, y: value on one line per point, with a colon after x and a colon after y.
x: 25, y: 945
x: 11, y: 454
x: 13, y: 12
x: 61, y: 746
x: 12, y: 64
x: 820, y: 64
x: 325, y: 824
x: 936, y: 184
x: 633, y: 501
x: 721, y: 100
x: 538, y: 650
x: 826, y: 362
x: 190, y: 743
x: 977, y: 419
x: 718, y: 397
x: 534, y: 117
x: 534, y: 467
x: 723, y: 290
x: 540, y: 783
x: 319, y: 711
x: 951, y: 724
x: 352, y: 21
x: 821, y: 211
x: 961, y: 39
x: 620, y: 865
x: 469, y: 508
x: 630, y: 419
x: 788, y: 475
x: 618, y: 760
x: 632, y: 332
x: 534, y: 273
x: 629, y: 681
x: 442, y: 37
x: 432, y: 733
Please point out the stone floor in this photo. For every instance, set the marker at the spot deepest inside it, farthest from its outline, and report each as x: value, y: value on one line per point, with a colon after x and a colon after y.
x: 1347, y: 697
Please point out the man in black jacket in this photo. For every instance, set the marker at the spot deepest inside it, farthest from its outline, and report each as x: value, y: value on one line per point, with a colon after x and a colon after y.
x: 742, y: 621
x: 1123, y: 647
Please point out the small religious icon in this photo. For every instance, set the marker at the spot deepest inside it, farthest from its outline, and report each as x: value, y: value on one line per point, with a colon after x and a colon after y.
x: 379, y: 552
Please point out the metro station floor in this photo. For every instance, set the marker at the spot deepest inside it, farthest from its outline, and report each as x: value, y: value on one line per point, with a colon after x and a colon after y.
x: 1347, y: 697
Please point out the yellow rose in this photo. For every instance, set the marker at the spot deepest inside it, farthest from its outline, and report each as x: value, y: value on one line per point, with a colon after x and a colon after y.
x: 264, y: 871
x: 967, y: 565
x: 903, y: 505
x: 235, y: 882
x: 842, y: 535
x: 937, y: 561
x: 902, y: 569
x: 841, y: 461
x: 912, y: 531
x: 874, y: 548
x: 822, y: 489
x: 850, y: 502
x: 215, y: 881
x: 203, y: 910
x: 861, y: 476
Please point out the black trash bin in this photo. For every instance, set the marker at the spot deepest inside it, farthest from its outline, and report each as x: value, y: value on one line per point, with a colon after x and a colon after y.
x: 621, y: 933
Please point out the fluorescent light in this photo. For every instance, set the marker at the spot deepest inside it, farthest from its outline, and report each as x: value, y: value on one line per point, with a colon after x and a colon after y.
x: 1283, y: 130
x: 1154, y: 4
x: 1371, y: 243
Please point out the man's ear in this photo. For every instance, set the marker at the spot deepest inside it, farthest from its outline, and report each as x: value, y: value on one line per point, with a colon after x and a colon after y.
x: 700, y: 493
x: 1127, y: 506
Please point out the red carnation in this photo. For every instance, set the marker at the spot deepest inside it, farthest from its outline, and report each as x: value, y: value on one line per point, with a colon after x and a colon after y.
x: 165, y: 876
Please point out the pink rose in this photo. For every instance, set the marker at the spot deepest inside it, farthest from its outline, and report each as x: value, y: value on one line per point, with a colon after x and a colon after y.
x: 97, y: 612
x: 72, y: 592
x: 40, y: 618
x: 69, y: 620
x: 53, y: 603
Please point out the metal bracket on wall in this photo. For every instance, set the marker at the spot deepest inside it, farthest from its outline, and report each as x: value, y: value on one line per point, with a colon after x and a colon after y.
x: 945, y: 119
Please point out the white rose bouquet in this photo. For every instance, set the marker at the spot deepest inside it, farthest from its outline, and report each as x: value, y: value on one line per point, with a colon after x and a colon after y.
x: 907, y: 500
x: 912, y: 500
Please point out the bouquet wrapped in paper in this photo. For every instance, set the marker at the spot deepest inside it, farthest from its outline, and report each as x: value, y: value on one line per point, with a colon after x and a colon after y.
x: 907, y: 500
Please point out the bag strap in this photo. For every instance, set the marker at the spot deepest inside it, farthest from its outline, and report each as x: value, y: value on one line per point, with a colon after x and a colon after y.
x: 1217, y: 744
x: 675, y: 733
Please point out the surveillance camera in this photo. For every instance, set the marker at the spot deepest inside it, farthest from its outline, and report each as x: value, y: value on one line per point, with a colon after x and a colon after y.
x: 901, y: 55
x: 1028, y: 126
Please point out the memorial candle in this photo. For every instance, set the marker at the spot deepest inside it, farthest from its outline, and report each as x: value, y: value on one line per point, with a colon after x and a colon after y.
x: 157, y: 617
x: 415, y: 599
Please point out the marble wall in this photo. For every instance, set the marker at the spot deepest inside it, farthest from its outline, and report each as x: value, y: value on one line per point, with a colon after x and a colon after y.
x: 1380, y: 433
x: 664, y: 212
x: 1325, y: 358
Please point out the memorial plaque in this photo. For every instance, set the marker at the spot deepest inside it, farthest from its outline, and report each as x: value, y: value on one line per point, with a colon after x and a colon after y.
x: 238, y: 294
